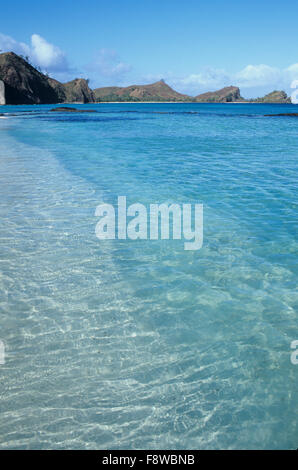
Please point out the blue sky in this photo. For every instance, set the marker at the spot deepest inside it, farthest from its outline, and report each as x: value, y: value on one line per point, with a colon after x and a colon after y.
x: 194, y: 45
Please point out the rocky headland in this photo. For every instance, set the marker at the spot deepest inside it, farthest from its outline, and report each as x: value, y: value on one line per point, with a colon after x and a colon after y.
x: 24, y: 84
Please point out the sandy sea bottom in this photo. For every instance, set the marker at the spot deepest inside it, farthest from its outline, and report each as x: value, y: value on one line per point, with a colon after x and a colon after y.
x: 140, y: 344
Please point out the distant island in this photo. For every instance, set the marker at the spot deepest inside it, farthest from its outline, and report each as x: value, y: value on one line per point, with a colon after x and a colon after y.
x: 21, y: 83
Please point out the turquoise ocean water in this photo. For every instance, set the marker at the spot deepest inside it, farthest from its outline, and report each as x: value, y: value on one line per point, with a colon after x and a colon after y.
x: 140, y: 344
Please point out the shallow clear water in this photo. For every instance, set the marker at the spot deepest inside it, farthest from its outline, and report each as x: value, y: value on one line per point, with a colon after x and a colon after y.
x: 140, y: 344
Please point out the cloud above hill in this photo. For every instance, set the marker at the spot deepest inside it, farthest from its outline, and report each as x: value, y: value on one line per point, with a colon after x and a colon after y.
x: 250, y: 79
x: 46, y: 55
x: 40, y: 52
x: 105, y: 68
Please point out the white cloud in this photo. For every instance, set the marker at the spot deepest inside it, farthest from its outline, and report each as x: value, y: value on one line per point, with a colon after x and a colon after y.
x: 258, y: 75
x: 253, y: 80
x: 208, y: 77
x: 40, y: 52
x: 46, y: 55
x: 206, y: 80
x: 292, y: 72
x: 7, y: 44
x: 108, y: 63
x: 108, y: 68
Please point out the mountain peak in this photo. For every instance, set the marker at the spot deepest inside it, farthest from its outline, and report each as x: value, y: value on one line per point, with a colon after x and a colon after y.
x: 224, y: 95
